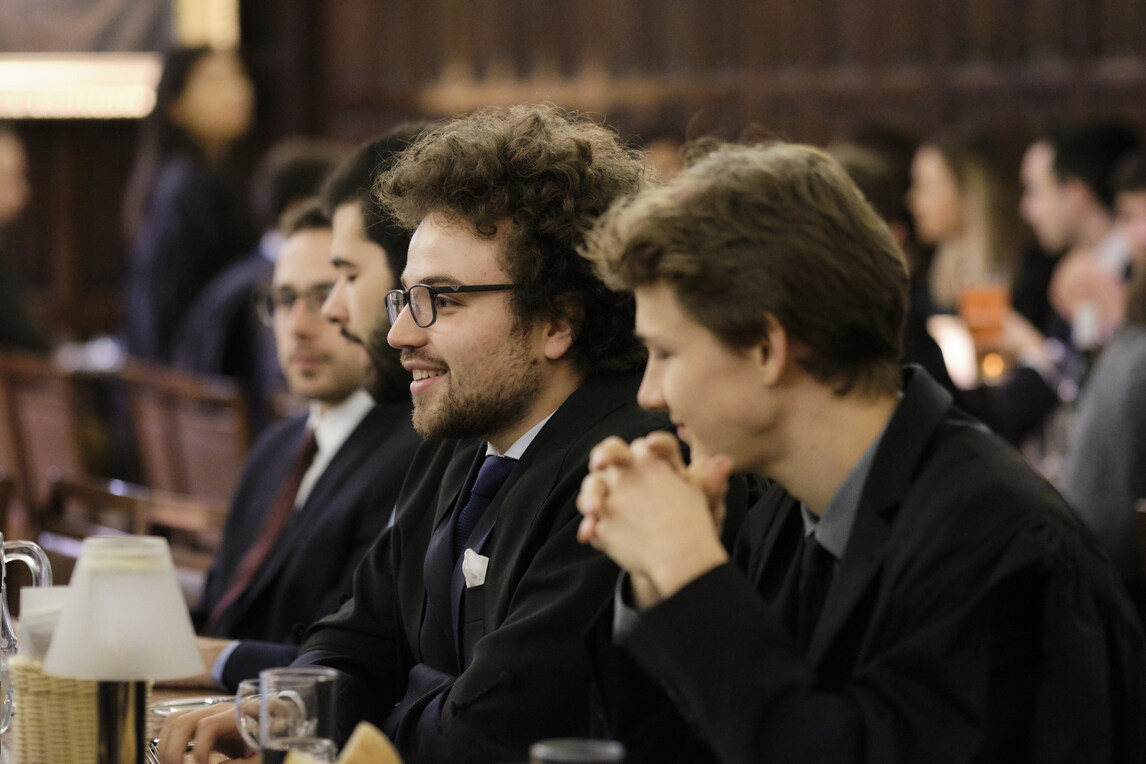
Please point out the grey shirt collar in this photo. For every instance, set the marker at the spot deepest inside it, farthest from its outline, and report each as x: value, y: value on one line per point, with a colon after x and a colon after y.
x: 834, y: 526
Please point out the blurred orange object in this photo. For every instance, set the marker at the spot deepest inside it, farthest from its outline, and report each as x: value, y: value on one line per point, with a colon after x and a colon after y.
x: 983, y: 308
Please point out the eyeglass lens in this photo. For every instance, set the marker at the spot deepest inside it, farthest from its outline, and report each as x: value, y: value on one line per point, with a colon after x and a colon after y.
x: 422, y: 300
x: 418, y: 297
x: 313, y: 298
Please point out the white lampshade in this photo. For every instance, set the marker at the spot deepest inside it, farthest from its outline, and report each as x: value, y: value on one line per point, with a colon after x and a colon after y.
x: 125, y: 618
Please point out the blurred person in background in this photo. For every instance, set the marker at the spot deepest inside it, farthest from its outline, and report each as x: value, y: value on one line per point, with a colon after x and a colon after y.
x: 965, y: 196
x: 221, y: 333
x: 1068, y: 200
x: 962, y: 199
x: 1105, y: 468
x: 361, y: 263
x: 663, y: 146
x: 884, y: 183
x: 181, y: 209
x: 361, y: 447
x: 874, y: 171
x: 370, y: 250
x: 19, y: 328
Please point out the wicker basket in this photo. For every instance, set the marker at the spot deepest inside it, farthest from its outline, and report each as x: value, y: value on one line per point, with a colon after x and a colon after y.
x: 55, y: 719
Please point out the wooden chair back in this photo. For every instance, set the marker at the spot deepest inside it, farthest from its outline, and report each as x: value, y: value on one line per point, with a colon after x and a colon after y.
x: 94, y: 506
x: 191, y: 430
x: 44, y: 423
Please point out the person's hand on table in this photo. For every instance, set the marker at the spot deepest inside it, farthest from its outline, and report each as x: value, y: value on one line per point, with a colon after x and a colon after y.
x: 212, y: 728
x: 654, y: 516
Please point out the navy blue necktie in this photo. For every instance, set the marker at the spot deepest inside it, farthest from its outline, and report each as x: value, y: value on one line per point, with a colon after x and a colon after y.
x: 494, y: 470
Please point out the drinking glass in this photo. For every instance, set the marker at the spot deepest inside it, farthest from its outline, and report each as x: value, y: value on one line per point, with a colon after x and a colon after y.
x: 247, y: 697
x: 288, y: 709
x: 983, y: 307
x: 33, y: 556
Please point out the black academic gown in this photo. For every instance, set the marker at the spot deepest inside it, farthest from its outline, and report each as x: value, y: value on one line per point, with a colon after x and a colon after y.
x: 517, y: 670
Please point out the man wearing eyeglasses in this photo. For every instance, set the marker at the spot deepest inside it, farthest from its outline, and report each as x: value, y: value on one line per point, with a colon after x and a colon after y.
x: 317, y: 487
x: 464, y: 638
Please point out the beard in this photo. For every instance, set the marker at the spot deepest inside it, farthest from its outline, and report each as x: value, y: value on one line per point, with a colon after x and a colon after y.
x: 386, y: 380
x: 501, y: 399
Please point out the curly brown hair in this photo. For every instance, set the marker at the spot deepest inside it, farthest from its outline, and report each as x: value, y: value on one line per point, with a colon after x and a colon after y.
x: 751, y: 235
x: 550, y: 174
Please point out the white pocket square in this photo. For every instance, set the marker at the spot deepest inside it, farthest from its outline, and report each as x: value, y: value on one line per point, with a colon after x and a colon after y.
x: 473, y: 568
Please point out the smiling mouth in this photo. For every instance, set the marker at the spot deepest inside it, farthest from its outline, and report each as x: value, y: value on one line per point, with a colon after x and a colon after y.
x: 420, y: 374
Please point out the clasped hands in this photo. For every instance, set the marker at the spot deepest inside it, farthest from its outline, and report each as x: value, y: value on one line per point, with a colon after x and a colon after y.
x: 656, y: 517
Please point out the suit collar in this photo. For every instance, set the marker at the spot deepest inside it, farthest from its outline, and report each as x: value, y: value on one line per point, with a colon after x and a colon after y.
x: 333, y: 428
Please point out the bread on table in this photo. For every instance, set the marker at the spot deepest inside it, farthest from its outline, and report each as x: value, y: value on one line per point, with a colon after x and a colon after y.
x: 367, y: 745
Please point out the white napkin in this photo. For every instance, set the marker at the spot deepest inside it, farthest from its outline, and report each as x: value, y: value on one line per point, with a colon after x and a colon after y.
x: 473, y: 568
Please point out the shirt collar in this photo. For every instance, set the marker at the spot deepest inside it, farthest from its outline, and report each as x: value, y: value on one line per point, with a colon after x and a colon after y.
x: 333, y: 428
x: 518, y: 448
x: 834, y: 527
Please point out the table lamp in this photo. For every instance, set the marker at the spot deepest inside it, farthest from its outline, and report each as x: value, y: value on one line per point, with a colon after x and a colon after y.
x: 125, y: 622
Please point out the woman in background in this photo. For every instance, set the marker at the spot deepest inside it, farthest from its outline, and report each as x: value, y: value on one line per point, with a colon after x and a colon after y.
x: 182, y: 212
x: 964, y: 199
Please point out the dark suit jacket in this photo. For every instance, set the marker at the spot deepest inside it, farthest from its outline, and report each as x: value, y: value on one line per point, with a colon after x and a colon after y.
x: 970, y: 619
x: 310, y: 568
x: 193, y: 228
x: 520, y: 673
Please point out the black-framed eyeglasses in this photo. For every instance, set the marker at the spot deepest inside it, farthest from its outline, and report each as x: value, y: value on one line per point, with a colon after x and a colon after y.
x: 284, y: 300
x: 423, y: 300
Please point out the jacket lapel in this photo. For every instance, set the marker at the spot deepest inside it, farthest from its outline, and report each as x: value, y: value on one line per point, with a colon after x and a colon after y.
x: 922, y: 408
x: 353, y: 450
x: 440, y: 569
x: 479, y: 537
x: 275, y: 558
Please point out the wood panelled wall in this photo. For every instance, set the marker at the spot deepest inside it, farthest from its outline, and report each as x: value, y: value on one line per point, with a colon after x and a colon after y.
x: 806, y: 69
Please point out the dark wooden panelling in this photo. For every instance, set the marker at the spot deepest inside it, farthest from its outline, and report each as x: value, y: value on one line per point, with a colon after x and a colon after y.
x: 802, y: 67
x: 806, y: 69
x: 1119, y: 29
x: 69, y: 242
